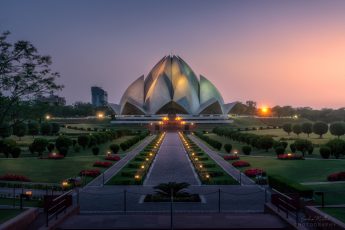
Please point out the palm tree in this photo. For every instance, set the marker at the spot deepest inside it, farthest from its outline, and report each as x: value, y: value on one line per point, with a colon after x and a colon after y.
x: 172, y: 188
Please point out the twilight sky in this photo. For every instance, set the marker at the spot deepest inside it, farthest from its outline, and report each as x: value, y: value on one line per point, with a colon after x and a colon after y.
x: 288, y: 52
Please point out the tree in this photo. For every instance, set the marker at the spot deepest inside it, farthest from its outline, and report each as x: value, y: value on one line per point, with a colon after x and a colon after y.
x: 6, y: 146
x: 15, y: 152
x: 228, y: 148
x: 33, y: 128
x: 46, y: 128
x: 320, y: 128
x: 172, y: 189
x: 293, y: 147
x: 251, y: 107
x: 287, y: 128
x: 303, y: 145
x: 279, y: 150
x: 266, y: 142
x: 39, y: 145
x: 307, y: 128
x: 62, y: 144
x: 55, y: 128
x: 5, y: 130
x: 297, y: 129
x: 50, y: 147
x: 83, y: 140
x: 337, y: 147
x: 24, y: 73
x: 337, y: 129
x: 114, y: 148
x: 19, y: 129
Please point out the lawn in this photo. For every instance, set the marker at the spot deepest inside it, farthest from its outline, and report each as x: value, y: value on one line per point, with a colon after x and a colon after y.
x: 334, y: 193
x: 26, y: 203
x: 338, y: 213
x: 6, y: 214
x: 54, y: 171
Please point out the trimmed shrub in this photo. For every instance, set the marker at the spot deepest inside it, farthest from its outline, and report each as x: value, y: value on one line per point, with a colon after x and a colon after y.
x: 103, y: 164
x: 39, y: 145
x: 285, y: 185
x: 46, y: 128
x: 231, y: 157
x: 340, y: 176
x: 228, y: 148
x: 114, y: 148
x: 279, y: 150
x: 14, y: 177
x: 293, y: 147
x: 214, y: 143
x: 83, y: 140
x: 62, y: 144
x: 20, y: 129
x: 239, y: 164
x: 15, y: 152
x: 325, y: 152
x: 50, y: 147
x: 246, y: 150
x: 290, y: 156
x: 95, y: 151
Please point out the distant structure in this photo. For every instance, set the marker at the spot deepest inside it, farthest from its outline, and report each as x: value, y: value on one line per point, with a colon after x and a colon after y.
x: 99, y: 96
x: 52, y: 100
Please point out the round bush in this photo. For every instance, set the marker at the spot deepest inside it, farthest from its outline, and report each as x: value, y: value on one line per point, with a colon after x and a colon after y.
x: 50, y: 147
x: 228, y: 148
x: 325, y: 152
x: 114, y: 148
x: 95, y: 151
x: 46, y: 128
x: 279, y: 150
x: 246, y: 150
x: 15, y: 152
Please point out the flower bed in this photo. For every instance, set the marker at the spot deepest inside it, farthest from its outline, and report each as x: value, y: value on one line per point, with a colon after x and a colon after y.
x: 55, y: 156
x: 290, y: 156
x: 112, y: 158
x: 231, y: 157
x: 253, y: 172
x: 90, y: 172
x: 103, y: 164
x: 14, y: 177
x: 339, y: 176
x: 239, y: 164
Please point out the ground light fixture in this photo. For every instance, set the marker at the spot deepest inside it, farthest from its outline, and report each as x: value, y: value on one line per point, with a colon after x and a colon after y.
x: 48, y: 117
x: 100, y: 115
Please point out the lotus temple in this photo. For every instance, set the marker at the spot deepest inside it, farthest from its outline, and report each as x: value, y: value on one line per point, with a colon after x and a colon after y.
x: 172, y: 87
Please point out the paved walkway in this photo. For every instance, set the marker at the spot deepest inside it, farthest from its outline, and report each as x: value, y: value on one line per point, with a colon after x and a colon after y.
x: 180, y: 221
x: 243, y: 179
x: 171, y: 164
x: 109, y: 173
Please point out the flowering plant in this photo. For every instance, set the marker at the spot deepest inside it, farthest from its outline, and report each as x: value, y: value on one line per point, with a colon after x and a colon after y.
x: 112, y: 158
x: 14, y: 177
x: 103, y: 164
x: 90, y: 172
x: 240, y: 164
x: 290, y: 156
x: 55, y: 156
x: 231, y: 157
x: 253, y: 172
x: 339, y: 176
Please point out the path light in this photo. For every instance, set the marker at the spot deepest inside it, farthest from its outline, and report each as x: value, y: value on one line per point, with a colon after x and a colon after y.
x: 200, y: 166
x: 151, y: 154
x: 137, y: 177
x: 64, y: 184
x: 235, y: 152
x: 108, y: 153
x: 100, y: 115
x: 193, y: 154
x: 48, y: 117
x: 196, y: 158
x: 28, y: 193
x: 54, y: 154
x: 143, y: 166
x: 207, y: 176
x: 147, y: 159
x: 289, y: 154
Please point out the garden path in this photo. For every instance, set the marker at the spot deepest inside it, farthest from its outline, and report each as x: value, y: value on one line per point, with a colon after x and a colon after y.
x: 171, y: 164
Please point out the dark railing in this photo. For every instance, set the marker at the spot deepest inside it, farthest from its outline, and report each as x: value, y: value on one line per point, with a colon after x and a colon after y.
x: 54, y: 205
x: 289, y: 203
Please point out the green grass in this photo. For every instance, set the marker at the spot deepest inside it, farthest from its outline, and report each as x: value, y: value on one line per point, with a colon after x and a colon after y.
x: 338, y: 213
x: 54, y: 171
x: 6, y: 214
x: 334, y: 193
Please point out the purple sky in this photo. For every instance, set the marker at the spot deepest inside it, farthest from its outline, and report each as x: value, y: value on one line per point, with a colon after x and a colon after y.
x: 274, y: 52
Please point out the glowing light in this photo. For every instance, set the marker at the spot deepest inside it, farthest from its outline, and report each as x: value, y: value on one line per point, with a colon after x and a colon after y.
x: 48, y: 117
x: 143, y: 166
x: 100, y: 115
x: 64, y: 184
x: 137, y: 177
x: 207, y: 176
x: 147, y: 159
x: 264, y: 109
x: 151, y: 154
x: 289, y: 154
x: 200, y: 166
x: 28, y: 193
x: 196, y: 159
x: 295, y: 116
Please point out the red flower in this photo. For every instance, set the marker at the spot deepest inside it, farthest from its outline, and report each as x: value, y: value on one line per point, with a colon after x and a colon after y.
x: 55, y: 156
x: 254, y: 172
x: 14, y: 177
x: 240, y: 164
x: 231, y: 157
x: 90, y: 172
x: 104, y: 164
x: 112, y: 158
x: 290, y: 156
x: 340, y: 176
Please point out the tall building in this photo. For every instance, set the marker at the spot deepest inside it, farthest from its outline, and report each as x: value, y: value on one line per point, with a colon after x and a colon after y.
x: 99, y: 96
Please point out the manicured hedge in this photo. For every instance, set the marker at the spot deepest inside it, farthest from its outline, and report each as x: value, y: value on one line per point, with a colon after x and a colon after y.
x: 285, y: 185
x: 214, y: 143
x: 132, y: 141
